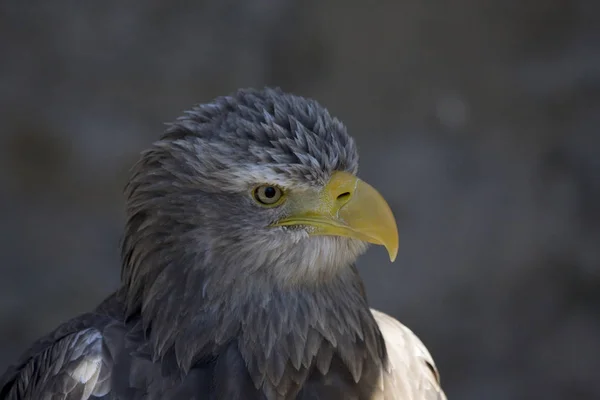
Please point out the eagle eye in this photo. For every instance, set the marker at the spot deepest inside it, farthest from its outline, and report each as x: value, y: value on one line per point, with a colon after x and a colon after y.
x: 268, y: 195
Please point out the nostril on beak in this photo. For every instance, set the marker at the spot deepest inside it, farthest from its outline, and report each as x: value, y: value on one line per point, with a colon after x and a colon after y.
x: 344, y: 196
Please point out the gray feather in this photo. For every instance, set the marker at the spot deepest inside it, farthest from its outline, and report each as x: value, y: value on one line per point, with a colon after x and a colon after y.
x: 71, y: 364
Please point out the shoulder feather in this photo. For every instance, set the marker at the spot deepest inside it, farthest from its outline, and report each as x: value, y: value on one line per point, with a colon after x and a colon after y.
x: 411, y: 373
x: 73, y: 366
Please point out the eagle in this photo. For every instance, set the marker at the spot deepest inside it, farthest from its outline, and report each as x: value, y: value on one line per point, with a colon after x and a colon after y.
x: 238, y: 279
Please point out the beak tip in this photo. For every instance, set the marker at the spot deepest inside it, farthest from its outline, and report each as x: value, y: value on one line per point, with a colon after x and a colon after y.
x: 393, y: 253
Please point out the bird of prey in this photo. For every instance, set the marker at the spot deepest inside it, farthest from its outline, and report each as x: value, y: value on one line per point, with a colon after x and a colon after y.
x: 244, y: 222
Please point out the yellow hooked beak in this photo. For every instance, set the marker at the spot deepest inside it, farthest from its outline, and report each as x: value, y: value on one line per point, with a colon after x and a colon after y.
x: 348, y: 207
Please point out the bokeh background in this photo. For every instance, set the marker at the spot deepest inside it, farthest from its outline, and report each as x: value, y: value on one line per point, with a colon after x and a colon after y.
x: 478, y: 120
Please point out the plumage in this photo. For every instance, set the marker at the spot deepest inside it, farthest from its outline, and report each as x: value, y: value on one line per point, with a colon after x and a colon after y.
x: 225, y: 297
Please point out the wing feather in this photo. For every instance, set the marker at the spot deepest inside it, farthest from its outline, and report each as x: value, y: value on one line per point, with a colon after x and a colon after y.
x: 74, y: 367
x: 411, y: 373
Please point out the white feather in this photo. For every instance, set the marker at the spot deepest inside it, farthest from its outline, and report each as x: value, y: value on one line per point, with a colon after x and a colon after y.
x: 408, y: 376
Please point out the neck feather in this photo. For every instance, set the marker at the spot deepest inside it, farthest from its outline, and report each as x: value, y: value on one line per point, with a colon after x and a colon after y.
x: 191, y: 315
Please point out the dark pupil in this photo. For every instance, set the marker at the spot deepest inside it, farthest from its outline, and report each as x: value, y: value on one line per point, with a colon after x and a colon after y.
x: 270, y: 192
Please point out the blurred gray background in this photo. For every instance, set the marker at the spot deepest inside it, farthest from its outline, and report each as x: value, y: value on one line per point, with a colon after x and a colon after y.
x: 478, y: 120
